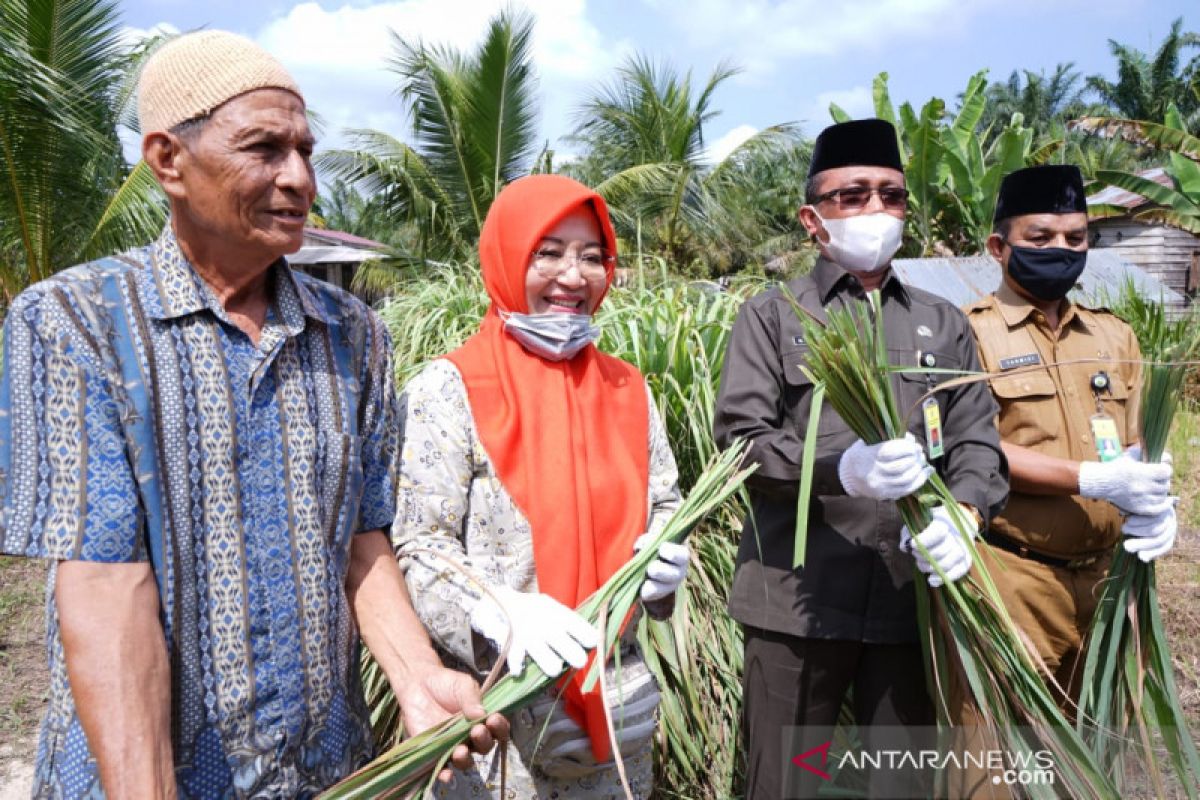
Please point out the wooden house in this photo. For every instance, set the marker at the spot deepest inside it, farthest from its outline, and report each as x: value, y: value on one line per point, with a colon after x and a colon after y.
x: 1169, y: 254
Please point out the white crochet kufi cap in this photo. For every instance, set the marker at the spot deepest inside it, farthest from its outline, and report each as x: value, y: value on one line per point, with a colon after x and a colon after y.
x: 192, y: 74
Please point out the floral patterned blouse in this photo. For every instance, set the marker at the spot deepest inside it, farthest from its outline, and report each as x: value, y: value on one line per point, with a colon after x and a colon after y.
x: 453, y: 507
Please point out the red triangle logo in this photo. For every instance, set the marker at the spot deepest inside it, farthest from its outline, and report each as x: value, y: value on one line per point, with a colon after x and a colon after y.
x: 802, y: 760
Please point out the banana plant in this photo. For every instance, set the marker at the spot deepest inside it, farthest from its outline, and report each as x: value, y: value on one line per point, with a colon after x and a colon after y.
x: 1177, y: 205
x: 953, y: 166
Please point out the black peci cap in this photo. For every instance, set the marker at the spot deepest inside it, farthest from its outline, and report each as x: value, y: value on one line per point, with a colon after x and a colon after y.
x: 859, y: 143
x: 1049, y: 189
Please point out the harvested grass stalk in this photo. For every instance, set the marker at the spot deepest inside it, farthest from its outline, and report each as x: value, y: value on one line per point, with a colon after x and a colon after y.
x: 406, y: 769
x: 1129, y: 704
x: 965, y: 622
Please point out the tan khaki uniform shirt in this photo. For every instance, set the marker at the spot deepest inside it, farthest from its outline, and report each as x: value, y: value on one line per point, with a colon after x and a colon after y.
x: 1050, y: 411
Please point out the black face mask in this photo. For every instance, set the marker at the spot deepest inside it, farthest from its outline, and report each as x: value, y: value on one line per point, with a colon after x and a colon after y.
x: 1047, y: 273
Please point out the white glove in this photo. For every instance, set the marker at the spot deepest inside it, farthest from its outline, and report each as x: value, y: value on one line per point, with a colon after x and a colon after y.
x: 633, y: 721
x: 1132, y: 486
x: 542, y: 628
x: 946, y: 545
x: 1134, y: 451
x: 560, y: 748
x: 1151, y: 535
x: 886, y: 471
x: 664, y: 575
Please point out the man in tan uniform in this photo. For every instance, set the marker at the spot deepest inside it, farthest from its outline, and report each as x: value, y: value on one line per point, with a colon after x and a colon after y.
x: 1066, y: 430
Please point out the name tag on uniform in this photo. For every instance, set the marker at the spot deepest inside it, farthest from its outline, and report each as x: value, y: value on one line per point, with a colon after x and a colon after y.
x: 933, y: 428
x: 1027, y: 360
x: 1108, y: 440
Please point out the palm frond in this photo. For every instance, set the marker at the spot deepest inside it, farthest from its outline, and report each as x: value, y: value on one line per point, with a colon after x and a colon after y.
x: 501, y: 113
x: 136, y: 213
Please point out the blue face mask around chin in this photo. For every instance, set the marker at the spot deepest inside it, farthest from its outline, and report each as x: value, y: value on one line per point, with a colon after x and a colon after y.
x: 557, y: 336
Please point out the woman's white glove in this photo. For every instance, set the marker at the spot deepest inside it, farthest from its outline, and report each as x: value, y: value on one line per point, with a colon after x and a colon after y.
x: 885, y: 471
x: 666, y: 573
x: 1151, y: 535
x: 542, y: 628
x: 547, y: 737
x: 633, y: 722
x: 1132, y: 486
x: 946, y: 544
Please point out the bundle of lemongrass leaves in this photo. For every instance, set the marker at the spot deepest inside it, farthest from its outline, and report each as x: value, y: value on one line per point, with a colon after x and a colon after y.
x: 965, y: 623
x: 408, y: 769
x: 1129, y: 703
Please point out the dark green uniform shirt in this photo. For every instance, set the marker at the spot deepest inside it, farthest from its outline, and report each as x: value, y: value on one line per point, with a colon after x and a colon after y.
x: 856, y: 584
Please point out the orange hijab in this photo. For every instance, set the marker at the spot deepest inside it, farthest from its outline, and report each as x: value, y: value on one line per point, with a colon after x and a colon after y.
x: 569, y: 439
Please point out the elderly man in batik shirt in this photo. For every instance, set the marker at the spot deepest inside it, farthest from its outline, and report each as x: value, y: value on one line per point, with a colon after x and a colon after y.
x: 204, y: 442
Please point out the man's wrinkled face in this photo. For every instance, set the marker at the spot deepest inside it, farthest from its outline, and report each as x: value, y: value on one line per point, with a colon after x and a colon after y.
x: 247, y: 177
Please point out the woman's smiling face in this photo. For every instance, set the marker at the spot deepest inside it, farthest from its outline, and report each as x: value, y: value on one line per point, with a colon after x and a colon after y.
x: 567, y: 270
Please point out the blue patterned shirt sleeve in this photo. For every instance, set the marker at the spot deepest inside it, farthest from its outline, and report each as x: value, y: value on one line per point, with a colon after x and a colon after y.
x: 380, y: 432
x: 67, y: 486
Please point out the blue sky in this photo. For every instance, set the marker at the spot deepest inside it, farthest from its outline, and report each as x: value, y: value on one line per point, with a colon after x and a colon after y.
x: 796, y: 56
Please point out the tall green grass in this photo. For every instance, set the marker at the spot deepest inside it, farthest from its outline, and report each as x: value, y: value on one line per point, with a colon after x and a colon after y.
x: 675, y: 332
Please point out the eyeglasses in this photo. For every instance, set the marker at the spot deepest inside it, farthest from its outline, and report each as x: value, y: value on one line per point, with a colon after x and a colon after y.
x: 858, y: 196
x: 551, y: 263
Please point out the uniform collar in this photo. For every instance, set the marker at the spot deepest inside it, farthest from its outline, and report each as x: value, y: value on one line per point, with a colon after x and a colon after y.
x: 1016, y: 309
x: 181, y: 291
x: 831, y: 278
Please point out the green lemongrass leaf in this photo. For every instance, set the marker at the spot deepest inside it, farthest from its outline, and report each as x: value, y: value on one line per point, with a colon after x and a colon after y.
x: 806, y: 475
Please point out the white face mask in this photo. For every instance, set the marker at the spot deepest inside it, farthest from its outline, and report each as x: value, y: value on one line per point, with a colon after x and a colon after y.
x: 556, y: 336
x: 864, y: 243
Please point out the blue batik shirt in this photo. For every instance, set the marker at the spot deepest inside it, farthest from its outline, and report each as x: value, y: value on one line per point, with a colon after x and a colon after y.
x: 138, y: 423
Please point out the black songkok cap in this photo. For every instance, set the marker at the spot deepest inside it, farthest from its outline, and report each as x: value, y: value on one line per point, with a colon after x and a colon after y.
x: 859, y: 143
x: 1049, y: 189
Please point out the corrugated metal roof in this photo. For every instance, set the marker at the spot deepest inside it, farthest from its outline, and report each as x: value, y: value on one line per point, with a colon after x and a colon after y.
x: 318, y: 254
x: 327, y: 236
x: 1113, y: 196
x: 965, y: 280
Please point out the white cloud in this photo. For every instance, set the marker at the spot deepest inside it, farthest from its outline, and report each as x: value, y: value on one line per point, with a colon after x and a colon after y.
x: 340, y: 56
x: 132, y: 36
x: 858, y: 102
x: 766, y: 32
x: 726, y: 144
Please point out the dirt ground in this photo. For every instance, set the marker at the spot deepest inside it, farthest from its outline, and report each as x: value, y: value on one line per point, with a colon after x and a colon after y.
x: 22, y: 671
x: 23, y: 666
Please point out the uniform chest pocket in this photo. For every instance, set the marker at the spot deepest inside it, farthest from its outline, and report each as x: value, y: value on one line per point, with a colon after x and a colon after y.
x: 1115, y: 401
x: 798, y: 393
x: 1029, y: 407
x: 912, y: 384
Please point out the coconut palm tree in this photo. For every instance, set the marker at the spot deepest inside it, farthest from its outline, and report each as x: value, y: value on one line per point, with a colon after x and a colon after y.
x: 66, y: 193
x: 1146, y: 85
x: 473, y: 120
x: 643, y: 136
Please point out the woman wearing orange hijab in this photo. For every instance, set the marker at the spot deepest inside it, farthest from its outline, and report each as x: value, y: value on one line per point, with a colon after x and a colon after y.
x: 534, y: 463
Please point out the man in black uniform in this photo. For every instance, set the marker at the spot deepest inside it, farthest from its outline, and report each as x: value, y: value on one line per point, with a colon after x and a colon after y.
x: 847, y: 618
